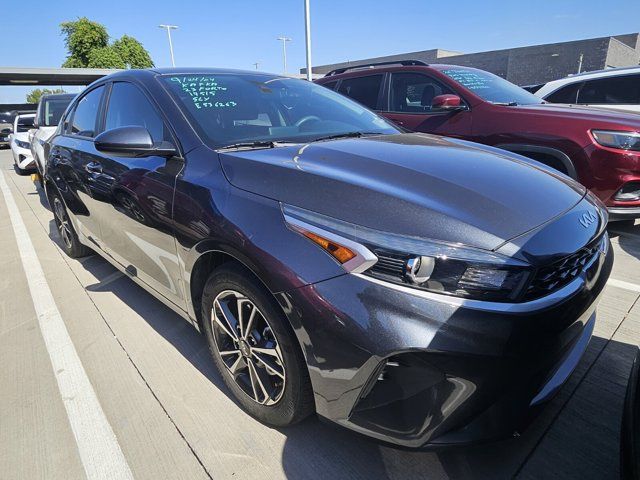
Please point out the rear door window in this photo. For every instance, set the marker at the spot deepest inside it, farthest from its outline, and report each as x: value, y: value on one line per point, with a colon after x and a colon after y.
x: 414, y: 92
x: 622, y: 90
x: 330, y: 85
x: 365, y: 90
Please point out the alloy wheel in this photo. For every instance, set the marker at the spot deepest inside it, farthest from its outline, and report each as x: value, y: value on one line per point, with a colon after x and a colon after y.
x: 248, y: 348
x: 62, y: 222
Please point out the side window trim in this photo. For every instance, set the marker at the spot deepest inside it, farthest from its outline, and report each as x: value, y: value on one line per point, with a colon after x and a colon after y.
x: 430, y: 77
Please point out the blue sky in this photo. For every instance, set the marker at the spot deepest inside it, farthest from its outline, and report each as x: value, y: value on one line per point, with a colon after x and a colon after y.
x: 238, y: 33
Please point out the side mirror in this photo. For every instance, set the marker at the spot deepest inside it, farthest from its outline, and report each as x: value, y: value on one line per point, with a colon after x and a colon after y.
x: 447, y: 102
x: 132, y: 141
x: 7, y: 130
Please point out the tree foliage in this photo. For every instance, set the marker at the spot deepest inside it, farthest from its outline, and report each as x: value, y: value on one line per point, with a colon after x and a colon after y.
x: 34, y: 95
x: 81, y: 38
x: 88, y: 46
x: 132, y: 52
x: 105, y: 57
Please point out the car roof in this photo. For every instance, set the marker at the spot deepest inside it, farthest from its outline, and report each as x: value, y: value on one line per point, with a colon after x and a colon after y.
x: 392, y: 66
x: 152, y: 72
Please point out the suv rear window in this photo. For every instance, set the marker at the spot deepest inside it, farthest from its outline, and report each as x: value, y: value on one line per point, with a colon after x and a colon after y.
x: 363, y: 89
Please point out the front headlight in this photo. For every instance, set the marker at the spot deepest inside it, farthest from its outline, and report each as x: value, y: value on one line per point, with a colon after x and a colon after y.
x: 22, y: 144
x: 617, y: 139
x: 450, y: 269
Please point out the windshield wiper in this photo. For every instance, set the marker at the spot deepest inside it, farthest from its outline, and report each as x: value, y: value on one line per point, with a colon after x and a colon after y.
x: 256, y: 144
x: 345, y: 135
x: 506, y: 104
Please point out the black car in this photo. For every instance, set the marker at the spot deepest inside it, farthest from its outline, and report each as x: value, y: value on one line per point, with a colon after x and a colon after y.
x: 417, y: 289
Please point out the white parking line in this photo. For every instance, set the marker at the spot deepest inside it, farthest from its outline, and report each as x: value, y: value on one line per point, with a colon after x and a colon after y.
x: 622, y: 284
x: 98, y: 446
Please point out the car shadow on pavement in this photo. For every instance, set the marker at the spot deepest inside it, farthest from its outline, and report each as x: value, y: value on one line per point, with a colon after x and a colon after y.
x: 317, y: 450
x: 628, y: 236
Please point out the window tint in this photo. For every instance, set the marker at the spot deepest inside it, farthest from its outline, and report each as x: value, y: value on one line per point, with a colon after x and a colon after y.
x: 611, y: 91
x: 330, y: 85
x: 414, y: 92
x: 567, y: 94
x: 24, y: 124
x: 85, y: 116
x: 363, y: 89
x: 129, y: 107
x: 226, y: 109
x: 53, y: 109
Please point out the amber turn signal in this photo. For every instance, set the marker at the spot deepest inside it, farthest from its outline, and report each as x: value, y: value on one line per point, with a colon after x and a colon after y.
x: 337, y: 251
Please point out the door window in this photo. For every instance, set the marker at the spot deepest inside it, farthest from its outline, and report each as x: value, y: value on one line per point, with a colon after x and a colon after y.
x: 331, y: 85
x: 567, y: 94
x: 414, y: 92
x: 128, y: 106
x: 623, y: 90
x: 85, y: 117
x: 363, y: 89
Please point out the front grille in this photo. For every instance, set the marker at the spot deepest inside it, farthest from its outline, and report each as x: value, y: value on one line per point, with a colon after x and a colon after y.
x: 389, y: 265
x: 558, y: 274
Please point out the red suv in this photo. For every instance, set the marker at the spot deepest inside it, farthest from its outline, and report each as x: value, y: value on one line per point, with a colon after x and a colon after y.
x: 598, y: 147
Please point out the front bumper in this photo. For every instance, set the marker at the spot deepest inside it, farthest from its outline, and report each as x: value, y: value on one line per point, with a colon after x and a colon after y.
x: 414, y: 368
x: 608, y: 171
x: 623, y: 213
x: 22, y: 157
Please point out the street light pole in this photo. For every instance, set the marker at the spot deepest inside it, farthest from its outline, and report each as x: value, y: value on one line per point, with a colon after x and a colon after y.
x: 256, y: 64
x: 169, y: 28
x: 307, y: 35
x: 284, y: 41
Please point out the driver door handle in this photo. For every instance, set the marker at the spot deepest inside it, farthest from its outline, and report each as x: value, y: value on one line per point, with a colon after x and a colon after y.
x: 93, y: 167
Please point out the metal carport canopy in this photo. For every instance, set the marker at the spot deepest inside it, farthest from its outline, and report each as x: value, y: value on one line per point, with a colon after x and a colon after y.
x: 51, y: 76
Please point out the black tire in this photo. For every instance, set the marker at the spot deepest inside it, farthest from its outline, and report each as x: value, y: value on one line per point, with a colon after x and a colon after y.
x: 69, y: 239
x: 295, y: 399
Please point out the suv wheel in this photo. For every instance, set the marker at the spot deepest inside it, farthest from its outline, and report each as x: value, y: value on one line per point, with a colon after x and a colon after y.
x: 70, y: 242
x: 254, y: 348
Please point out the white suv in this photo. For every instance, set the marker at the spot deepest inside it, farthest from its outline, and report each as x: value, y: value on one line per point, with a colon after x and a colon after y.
x: 50, y: 110
x: 615, y: 88
x: 20, y: 147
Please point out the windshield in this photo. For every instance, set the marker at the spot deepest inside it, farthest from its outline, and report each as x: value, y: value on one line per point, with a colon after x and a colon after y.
x: 491, y: 88
x: 228, y: 109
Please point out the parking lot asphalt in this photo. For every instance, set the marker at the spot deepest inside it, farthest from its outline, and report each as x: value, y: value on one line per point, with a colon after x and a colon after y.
x: 173, y: 418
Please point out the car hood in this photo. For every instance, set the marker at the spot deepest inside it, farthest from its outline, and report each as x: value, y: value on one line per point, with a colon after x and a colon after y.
x: 594, y: 116
x: 410, y: 184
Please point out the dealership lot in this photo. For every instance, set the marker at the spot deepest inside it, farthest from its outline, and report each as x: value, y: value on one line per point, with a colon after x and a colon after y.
x: 173, y: 417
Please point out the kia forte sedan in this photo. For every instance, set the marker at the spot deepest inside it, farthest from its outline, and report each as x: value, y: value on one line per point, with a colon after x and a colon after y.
x: 417, y: 289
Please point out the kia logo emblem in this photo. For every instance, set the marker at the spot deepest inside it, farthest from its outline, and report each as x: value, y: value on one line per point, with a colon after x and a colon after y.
x: 587, y: 219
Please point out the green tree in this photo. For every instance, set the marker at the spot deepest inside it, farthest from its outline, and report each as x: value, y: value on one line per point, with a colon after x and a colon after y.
x: 81, y: 38
x: 34, y: 95
x: 105, y: 57
x: 132, y: 52
x: 88, y: 46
